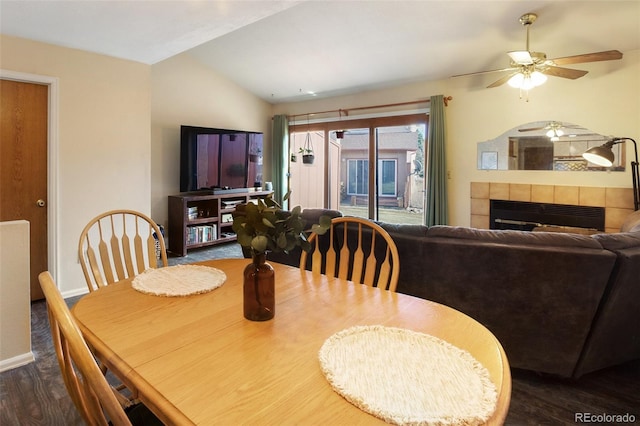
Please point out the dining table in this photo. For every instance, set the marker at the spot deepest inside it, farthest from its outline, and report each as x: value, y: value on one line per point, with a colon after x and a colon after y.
x: 195, y: 359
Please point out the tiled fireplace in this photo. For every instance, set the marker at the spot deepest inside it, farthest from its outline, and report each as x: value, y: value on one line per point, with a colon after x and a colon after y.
x: 617, y: 202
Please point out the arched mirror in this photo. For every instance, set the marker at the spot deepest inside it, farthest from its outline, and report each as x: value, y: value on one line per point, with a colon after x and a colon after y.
x: 545, y: 145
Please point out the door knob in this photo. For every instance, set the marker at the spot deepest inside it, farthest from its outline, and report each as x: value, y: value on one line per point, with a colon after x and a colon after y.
x: 40, y: 203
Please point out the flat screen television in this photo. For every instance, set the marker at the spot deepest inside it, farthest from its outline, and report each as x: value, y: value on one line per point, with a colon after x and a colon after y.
x: 219, y: 158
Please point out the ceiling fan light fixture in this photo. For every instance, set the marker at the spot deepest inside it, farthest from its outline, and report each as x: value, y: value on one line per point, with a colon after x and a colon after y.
x: 554, y: 134
x: 537, y: 78
x: 526, y: 80
x: 516, y: 81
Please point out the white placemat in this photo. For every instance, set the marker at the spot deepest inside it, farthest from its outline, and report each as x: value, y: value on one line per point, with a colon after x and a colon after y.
x: 408, y: 378
x: 179, y: 280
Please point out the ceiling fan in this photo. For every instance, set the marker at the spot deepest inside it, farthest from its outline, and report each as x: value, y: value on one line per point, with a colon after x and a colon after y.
x: 528, y: 69
x: 552, y: 125
x: 555, y: 130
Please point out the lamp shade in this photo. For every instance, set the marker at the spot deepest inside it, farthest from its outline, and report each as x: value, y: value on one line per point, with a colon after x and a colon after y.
x: 600, y: 155
x: 603, y: 156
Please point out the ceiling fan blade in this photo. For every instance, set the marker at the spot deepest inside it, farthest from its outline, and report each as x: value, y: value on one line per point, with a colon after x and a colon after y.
x: 608, y: 55
x: 500, y: 81
x: 531, y: 129
x: 484, y: 72
x: 564, y: 72
x: 521, y: 57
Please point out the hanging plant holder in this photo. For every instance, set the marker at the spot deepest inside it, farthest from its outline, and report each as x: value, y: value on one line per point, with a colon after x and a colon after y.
x: 308, y: 158
x: 307, y: 150
x: 340, y: 133
x: 293, y: 157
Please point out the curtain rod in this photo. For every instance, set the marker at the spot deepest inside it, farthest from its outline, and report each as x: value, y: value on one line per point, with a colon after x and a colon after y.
x: 346, y: 111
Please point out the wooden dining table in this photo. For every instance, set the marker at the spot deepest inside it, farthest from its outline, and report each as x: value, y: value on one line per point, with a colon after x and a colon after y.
x: 196, y: 359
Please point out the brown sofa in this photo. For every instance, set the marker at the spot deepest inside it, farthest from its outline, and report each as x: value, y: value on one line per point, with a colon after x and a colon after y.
x: 559, y: 303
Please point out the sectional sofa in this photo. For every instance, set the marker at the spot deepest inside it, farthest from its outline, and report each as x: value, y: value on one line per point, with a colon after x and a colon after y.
x: 560, y: 303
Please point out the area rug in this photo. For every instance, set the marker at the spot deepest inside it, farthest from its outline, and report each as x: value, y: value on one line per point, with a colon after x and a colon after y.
x: 408, y: 378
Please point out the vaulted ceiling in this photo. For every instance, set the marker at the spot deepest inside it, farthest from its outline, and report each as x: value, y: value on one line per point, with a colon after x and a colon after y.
x: 285, y: 50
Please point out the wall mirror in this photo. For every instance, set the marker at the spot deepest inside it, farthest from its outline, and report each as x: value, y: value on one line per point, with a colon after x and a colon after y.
x: 545, y: 145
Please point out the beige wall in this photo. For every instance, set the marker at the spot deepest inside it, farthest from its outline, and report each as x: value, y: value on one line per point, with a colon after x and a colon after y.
x: 185, y: 92
x: 103, y: 141
x: 15, y: 300
x: 605, y: 100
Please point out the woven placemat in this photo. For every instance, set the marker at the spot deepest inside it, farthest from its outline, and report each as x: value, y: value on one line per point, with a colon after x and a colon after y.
x: 179, y: 280
x: 408, y: 378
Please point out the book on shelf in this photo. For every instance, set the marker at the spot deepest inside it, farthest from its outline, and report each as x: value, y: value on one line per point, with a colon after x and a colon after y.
x: 231, y: 203
x: 192, y: 213
x: 202, y: 234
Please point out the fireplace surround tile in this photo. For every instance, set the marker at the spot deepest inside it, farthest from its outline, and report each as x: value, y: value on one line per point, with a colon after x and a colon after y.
x: 479, y: 190
x: 590, y: 196
x: 542, y: 193
x: 480, y: 206
x: 619, y: 197
x: 618, y: 202
x: 566, y: 195
x: 519, y: 192
x: 614, y: 217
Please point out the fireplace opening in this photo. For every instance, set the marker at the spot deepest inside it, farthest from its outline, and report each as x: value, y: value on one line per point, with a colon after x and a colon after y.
x: 526, y: 216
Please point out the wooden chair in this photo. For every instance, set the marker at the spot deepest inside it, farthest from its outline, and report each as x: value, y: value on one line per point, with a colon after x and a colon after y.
x: 96, y: 401
x: 355, y: 249
x: 119, y: 244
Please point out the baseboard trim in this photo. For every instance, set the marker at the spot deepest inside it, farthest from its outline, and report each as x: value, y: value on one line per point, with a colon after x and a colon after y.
x: 16, y: 361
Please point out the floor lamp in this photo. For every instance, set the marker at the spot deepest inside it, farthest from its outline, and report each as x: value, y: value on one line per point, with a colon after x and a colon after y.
x: 603, y: 156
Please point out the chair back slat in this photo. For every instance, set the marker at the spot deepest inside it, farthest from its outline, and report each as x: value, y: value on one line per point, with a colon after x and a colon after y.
x: 105, y: 257
x: 87, y: 387
x: 127, y: 246
x: 365, y: 252
x: 358, y: 259
x: 330, y: 256
x: 139, y: 251
x: 385, y: 270
x: 343, y: 268
x: 316, y: 259
x: 116, y: 255
x: 371, y: 264
x: 95, y: 270
x: 152, y: 261
x: 126, y: 252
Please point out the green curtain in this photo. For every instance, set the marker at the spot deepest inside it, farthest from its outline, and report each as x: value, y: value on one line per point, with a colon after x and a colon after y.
x: 436, y: 185
x: 280, y: 158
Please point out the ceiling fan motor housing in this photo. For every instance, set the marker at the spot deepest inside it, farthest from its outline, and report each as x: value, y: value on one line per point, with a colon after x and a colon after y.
x: 528, y: 18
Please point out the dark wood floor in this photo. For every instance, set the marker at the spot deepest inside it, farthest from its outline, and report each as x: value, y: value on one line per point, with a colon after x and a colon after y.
x: 35, y: 394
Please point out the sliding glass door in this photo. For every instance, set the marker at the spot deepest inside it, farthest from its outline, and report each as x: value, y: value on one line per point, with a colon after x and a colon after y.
x: 371, y: 168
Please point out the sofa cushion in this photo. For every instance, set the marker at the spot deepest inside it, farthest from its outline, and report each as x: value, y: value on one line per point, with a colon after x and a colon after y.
x: 514, y: 237
x: 619, y: 241
x: 631, y: 223
x: 615, y: 336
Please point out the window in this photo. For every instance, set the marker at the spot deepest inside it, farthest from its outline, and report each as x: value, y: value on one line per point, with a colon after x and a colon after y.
x: 358, y: 177
x: 387, y: 177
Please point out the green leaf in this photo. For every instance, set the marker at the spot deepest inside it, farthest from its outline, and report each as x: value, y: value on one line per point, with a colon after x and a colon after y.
x: 267, y: 222
x: 244, y: 239
x: 259, y: 243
